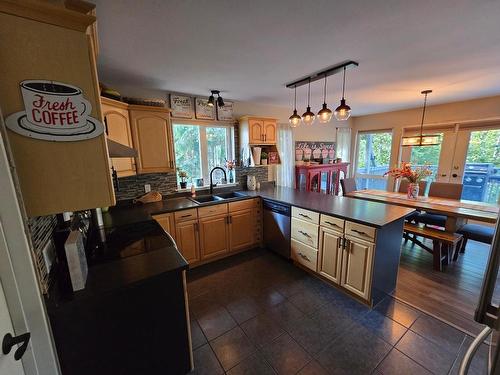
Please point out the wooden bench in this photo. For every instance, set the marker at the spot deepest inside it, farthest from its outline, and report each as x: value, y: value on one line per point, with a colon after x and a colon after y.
x: 444, y: 243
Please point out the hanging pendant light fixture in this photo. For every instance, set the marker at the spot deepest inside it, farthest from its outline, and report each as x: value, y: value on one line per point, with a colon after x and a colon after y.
x: 211, y: 99
x: 422, y: 139
x: 325, y: 114
x: 294, y: 119
x: 343, y: 111
x: 308, y: 115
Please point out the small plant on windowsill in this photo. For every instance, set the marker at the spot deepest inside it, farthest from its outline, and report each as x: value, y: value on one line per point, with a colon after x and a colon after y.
x: 263, y: 158
x: 183, y: 176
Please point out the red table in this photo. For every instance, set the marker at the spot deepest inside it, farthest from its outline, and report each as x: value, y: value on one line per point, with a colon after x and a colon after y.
x: 321, y: 178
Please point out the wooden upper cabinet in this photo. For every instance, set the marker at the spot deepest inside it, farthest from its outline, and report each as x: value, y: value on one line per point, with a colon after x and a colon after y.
x: 52, y: 44
x: 241, y: 235
x: 117, y: 123
x: 152, y: 138
x: 270, y: 131
x: 213, y: 236
x: 357, y: 259
x: 257, y: 130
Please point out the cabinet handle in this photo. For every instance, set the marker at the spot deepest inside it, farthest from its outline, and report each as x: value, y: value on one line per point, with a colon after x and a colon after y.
x: 106, y: 125
x: 333, y: 224
x: 359, y: 232
x: 304, y: 257
x: 196, y: 228
x: 265, y: 137
x: 304, y: 234
x: 10, y: 341
x: 185, y: 216
x: 307, y: 217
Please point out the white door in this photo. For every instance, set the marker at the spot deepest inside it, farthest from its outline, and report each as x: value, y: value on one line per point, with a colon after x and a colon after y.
x: 7, y: 363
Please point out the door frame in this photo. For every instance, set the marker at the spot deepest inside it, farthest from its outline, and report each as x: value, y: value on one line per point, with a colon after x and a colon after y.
x: 19, y: 280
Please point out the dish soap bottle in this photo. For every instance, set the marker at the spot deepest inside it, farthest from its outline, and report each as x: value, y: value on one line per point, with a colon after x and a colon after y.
x: 193, y: 191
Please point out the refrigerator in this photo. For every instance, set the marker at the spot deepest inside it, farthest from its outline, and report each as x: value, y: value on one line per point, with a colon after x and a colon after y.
x: 487, y: 312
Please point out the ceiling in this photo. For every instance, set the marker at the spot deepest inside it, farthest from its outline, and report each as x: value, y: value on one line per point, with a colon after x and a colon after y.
x: 250, y: 49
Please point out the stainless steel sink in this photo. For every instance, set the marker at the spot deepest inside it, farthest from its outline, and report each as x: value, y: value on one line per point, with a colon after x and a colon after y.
x: 206, y: 199
x: 229, y: 195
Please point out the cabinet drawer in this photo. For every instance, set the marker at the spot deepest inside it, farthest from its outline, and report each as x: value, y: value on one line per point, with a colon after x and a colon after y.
x: 305, y: 255
x: 360, y: 231
x: 242, y: 205
x: 185, y: 215
x: 305, y: 232
x: 332, y: 222
x: 217, y: 209
x: 306, y: 215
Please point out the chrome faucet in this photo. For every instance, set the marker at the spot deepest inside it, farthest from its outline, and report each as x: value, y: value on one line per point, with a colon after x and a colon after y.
x: 212, y: 185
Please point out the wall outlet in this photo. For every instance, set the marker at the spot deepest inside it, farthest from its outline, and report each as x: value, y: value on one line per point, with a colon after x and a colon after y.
x: 147, y: 188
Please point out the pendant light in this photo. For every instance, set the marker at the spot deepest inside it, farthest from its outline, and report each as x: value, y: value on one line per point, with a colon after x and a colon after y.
x: 343, y: 111
x: 211, y: 99
x: 422, y: 139
x: 294, y: 119
x: 325, y: 114
x: 308, y: 115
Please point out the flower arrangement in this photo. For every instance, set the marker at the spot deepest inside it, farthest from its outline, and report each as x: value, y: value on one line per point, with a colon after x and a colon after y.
x: 230, y: 164
x: 414, y: 176
x: 183, y: 176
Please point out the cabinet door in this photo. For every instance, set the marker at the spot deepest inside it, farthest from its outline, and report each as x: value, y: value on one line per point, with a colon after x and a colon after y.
x: 256, y: 131
x: 270, y: 132
x: 357, y: 259
x: 214, y: 234
x: 241, y: 229
x: 166, y: 221
x: 117, y: 125
x: 186, y: 234
x: 153, y: 140
x: 330, y: 254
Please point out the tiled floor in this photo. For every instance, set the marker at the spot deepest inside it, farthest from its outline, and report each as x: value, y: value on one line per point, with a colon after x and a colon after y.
x: 256, y: 313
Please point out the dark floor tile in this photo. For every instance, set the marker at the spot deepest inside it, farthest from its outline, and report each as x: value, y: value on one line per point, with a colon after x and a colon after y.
x: 216, y: 322
x: 262, y: 329
x: 431, y: 356
x: 197, y: 336
x: 285, y: 314
x: 397, y: 363
x: 313, y: 334
x: 307, y: 301
x: 384, y: 327
x: 253, y: 365
x: 400, y: 312
x: 244, y: 308
x: 205, y: 362
x: 358, y: 351
x: 285, y: 355
x: 232, y: 347
x: 479, y: 364
x: 203, y: 304
x: 313, y: 368
x: 338, y: 320
x: 269, y: 297
x: 291, y: 287
x: 439, y: 333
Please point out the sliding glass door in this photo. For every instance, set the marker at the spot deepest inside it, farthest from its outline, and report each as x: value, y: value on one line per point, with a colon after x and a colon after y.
x: 373, y: 155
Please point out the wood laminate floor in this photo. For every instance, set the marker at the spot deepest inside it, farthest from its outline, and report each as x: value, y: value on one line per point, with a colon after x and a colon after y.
x: 450, y: 295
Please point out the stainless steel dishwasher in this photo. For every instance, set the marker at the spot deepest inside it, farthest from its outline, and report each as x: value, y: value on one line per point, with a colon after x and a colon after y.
x: 277, y: 224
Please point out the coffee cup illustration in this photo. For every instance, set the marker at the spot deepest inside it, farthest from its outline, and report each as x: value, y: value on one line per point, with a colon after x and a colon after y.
x: 54, y: 111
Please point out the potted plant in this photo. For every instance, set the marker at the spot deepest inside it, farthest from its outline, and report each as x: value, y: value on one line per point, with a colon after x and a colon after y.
x: 183, y: 176
x: 263, y: 158
x: 414, y: 176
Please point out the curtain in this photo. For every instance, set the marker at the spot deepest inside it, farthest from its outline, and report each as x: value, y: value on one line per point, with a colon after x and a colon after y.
x: 286, y: 170
x: 344, y: 144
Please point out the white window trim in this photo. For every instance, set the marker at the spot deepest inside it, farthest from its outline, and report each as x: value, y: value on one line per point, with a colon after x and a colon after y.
x: 203, y: 125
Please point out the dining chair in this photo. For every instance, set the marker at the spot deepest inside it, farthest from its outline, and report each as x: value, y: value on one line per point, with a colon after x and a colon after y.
x: 348, y: 185
x: 475, y: 232
x: 440, y: 190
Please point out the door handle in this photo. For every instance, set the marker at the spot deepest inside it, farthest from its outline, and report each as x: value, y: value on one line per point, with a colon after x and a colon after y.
x: 332, y: 224
x: 9, y: 341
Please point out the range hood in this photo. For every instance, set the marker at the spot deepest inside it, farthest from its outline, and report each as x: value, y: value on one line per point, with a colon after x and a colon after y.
x: 117, y: 150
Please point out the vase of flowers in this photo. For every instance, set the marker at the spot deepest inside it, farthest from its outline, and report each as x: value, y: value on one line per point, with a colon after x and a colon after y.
x: 230, y: 164
x: 183, y: 176
x: 413, y: 175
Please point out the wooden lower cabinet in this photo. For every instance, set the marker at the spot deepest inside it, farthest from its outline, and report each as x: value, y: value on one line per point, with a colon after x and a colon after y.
x: 241, y: 235
x: 357, y: 259
x: 167, y: 223
x: 214, y: 233
x: 330, y: 254
x: 186, y: 234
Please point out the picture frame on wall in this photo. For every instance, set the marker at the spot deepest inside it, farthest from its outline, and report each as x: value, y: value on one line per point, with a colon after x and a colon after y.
x: 203, y: 111
x: 181, y: 106
x: 225, y: 113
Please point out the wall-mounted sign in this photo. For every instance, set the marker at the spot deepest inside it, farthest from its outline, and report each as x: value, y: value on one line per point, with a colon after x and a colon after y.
x: 203, y: 110
x: 181, y: 106
x: 319, y: 151
x: 225, y: 113
x: 54, y: 111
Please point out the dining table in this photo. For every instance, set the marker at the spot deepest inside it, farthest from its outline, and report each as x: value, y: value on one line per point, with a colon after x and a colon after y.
x: 457, y: 212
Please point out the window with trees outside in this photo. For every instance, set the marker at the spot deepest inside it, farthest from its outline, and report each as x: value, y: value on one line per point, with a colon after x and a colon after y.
x: 200, y: 148
x: 373, y: 159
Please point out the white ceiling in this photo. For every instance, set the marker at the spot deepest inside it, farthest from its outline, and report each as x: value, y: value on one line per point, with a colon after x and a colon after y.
x: 250, y: 49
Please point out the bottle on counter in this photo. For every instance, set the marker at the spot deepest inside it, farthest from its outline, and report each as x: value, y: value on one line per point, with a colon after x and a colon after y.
x: 193, y: 191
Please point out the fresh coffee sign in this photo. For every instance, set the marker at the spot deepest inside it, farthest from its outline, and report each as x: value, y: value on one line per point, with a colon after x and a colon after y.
x: 54, y: 111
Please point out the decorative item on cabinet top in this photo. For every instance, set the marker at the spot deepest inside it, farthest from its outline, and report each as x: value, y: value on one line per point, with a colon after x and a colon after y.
x: 204, y: 111
x: 181, y: 105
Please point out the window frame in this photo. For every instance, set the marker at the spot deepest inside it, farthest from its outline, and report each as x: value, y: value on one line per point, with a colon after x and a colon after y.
x: 202, y: 126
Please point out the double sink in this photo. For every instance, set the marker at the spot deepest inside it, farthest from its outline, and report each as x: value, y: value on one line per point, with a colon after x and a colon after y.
x: 217, y: 197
